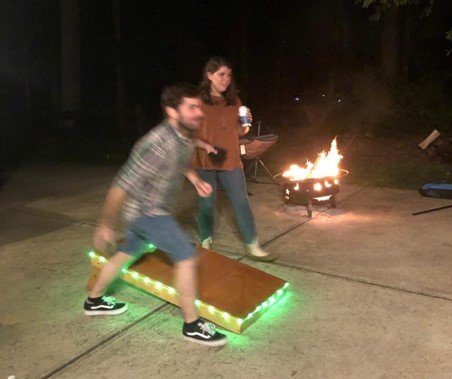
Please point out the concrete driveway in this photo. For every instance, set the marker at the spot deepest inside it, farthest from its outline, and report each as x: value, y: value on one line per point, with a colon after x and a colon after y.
x: 370, y: 295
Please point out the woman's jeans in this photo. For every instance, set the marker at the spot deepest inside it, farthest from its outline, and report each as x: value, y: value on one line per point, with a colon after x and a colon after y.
x: 233, y: 182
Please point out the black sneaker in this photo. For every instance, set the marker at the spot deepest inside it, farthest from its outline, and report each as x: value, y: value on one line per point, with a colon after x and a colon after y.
x: 105, y: 305
x: 204, y: 333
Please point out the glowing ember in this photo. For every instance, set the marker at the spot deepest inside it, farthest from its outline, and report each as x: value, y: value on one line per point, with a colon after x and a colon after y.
x: 327, y: 164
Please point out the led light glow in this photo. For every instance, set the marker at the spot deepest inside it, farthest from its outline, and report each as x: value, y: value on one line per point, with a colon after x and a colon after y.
x: 227, y: 317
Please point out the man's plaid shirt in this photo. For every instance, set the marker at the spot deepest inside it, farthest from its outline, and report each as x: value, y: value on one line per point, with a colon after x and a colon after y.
x: 154, y: 173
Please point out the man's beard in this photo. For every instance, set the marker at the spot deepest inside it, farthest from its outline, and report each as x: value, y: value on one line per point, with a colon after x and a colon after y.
x: 189, y: 131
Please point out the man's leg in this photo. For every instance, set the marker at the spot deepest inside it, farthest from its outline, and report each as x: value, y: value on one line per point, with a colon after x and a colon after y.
x: 167, y: 235
x: 97, y: 304
x: 165, y: 232
x: 108, y: 273
x: 186, y: 283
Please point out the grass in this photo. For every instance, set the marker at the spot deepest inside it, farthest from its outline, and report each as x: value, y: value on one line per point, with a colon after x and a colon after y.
x: 382, y: 162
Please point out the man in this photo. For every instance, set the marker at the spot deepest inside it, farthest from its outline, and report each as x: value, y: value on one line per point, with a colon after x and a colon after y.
x: 147, y: 187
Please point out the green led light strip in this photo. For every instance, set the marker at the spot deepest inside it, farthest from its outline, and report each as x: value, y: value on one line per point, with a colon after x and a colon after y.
x: 153, y: 284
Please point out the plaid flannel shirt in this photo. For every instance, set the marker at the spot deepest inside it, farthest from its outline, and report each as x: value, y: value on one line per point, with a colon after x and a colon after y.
x: 154, y: 173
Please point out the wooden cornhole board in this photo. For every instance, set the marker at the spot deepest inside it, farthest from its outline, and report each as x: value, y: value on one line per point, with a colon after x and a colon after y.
x: 231, y: 294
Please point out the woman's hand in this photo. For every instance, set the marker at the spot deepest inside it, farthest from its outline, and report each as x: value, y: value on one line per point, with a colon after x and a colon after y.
x: 245, y: 130
x: 249, y: 115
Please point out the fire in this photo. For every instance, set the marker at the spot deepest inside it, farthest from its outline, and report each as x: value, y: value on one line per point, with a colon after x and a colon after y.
x: 327, y: 164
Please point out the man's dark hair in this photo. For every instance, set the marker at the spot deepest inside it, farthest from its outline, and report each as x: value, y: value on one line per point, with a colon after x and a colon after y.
x: 172, y: 95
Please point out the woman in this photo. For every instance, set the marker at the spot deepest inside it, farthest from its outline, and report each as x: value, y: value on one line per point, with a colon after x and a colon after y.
x: 221, y: 129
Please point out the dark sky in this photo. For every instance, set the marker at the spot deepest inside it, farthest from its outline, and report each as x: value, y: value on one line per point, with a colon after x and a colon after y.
x: 278, y: 48
x: 171, y: 40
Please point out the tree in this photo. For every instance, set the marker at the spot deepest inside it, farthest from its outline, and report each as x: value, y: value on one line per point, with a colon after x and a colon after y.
x: 396, y: 23
x: 70, y: 61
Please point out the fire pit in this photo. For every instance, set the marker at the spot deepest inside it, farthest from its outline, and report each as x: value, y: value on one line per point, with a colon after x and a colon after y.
x: 315, y: 183
x: 311, y: 190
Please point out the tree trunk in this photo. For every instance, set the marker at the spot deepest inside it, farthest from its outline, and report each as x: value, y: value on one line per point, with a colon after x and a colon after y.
x: 390, y: 52
x: 70, y: 62
x: 120, y: 85
x: 405, y: 50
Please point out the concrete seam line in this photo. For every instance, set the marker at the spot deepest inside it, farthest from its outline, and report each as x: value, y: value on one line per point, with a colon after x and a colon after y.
x: 66, y: 220
x: 364, y: 281
x: 103, y: 342
x: 53, y: 216
x: 296, y: 225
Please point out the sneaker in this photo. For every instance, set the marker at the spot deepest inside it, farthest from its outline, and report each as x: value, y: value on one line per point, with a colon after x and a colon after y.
x: 204, y: 333
x: 106, y: 305
x: 207, y: 243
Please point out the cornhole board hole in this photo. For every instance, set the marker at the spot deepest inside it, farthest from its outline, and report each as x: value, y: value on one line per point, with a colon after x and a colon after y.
x: 230, y: 293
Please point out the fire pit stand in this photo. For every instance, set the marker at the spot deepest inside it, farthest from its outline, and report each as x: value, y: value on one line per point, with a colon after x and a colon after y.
x: 310, y: 202
x: 310, y: 190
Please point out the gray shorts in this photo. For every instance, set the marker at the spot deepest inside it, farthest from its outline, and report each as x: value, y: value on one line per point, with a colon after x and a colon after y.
x: 162, y: 231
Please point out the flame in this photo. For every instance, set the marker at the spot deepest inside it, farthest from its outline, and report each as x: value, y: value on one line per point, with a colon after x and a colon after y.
x: 327, y: 164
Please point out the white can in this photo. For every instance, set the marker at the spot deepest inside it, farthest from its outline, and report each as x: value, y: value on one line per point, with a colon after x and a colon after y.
x: 243, y: 111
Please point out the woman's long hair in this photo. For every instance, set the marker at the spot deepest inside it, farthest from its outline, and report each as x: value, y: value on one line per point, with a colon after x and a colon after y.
x: 212, y: 66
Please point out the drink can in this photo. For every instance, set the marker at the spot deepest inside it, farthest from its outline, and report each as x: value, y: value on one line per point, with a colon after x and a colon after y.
x: 243, y: 116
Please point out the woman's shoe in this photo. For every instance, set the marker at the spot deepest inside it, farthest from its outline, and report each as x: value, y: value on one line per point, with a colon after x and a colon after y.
x: 256, y: 253
x: 207, y: 243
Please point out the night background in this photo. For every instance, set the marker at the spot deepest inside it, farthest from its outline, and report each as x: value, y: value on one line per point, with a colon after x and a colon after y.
x: 81, y: 79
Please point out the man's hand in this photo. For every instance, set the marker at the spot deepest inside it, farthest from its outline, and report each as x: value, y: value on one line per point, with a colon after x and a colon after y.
x: 203, y: 188
x: 206, y: 146
x: 209, y: 148
x: 104, y: 238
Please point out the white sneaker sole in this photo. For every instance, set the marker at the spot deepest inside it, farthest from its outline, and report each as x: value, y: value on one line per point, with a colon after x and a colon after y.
x: 102, y: 313
x: 207, y: 343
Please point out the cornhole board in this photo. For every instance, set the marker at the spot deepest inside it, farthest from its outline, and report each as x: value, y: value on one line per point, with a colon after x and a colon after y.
x: 231, y: 294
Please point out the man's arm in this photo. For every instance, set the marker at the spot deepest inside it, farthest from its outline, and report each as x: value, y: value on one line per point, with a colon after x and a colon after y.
x: 206, y: 146
x: 104, y: 234
x: 113, y: 202
x: 203, y: 188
